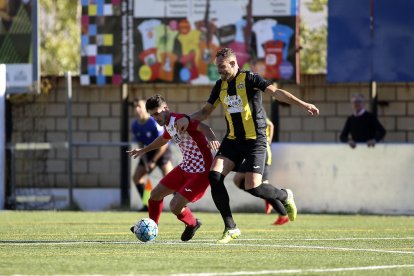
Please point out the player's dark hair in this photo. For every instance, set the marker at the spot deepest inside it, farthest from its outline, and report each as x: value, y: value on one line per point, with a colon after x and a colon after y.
x: 154, y: 102
x: 225, y: 53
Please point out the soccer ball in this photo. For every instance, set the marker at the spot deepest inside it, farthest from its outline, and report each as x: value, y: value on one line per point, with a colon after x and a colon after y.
x: 146, y: 230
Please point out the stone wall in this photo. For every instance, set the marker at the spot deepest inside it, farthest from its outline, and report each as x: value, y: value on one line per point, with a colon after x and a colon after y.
x: 96, y: 117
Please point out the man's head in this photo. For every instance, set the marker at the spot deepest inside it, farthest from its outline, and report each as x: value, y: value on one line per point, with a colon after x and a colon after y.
x: 357, y: 102
x: 226, y: 63
x: 158, y: 109
x: 139, y: 105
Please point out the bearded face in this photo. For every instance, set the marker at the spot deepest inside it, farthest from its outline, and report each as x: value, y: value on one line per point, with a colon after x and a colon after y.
x: 226, y: 67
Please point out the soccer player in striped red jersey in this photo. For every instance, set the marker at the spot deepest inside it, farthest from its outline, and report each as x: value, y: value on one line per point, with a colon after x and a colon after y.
x: 189, y: 180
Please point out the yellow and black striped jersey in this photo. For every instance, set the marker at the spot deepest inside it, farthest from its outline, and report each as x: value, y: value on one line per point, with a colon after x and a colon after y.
x: 268, y: 148
x: 242, y: 102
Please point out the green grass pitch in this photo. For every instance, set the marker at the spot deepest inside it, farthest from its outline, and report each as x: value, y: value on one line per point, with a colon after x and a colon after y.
x: 99, y: 243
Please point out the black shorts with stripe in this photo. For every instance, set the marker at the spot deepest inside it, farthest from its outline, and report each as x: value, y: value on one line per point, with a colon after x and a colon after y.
x: 248, y: 155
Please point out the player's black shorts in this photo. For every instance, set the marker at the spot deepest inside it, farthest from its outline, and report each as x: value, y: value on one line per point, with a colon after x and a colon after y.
x: 160, y: 162
x: 247, y: 155
x: 265, y: 175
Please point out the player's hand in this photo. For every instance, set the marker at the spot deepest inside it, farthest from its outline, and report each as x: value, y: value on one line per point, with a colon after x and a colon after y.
x: 214, y: 145
x: 371, y: 143
x: 134, y: 153
x: 312, y: 110
x: 352, y: 143
x: 182, y: 124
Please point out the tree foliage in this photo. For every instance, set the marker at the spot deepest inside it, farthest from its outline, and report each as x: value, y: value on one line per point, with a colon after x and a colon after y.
x: 313, y: 49
x: 316, y: 5
x: 59, y: 30
x: 313, y: 42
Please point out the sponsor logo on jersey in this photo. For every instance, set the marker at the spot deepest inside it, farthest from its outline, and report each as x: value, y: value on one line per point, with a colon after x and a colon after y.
x: 234, y: 103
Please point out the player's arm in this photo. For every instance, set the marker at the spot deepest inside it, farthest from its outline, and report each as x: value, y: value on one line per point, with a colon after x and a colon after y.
x: 203, y: 113
x: 284, y: 96
x: 200, y: 115
x: 157, y: 143
x: 213, y: 143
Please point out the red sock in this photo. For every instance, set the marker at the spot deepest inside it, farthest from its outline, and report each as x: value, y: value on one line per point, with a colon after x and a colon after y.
x: 155, y: 209
x: 187, y: 217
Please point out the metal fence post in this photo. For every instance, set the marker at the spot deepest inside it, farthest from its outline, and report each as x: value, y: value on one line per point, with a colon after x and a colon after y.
x: 69, y: 136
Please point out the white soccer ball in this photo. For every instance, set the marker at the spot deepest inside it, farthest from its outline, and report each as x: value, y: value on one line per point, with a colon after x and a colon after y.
x: 146, y: 230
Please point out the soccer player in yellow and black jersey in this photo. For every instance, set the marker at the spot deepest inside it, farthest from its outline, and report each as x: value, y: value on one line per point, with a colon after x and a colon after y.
x: 240, y: 94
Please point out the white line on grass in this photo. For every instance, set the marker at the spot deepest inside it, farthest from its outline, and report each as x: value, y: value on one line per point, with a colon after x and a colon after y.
x: 296, y: 271
x: 326, y: 239
x: 22, y: 243
x: 342, y: 239
x: 298, y: 246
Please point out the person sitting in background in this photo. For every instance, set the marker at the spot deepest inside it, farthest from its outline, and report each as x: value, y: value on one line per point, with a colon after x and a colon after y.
x: 145, y: 130
x: 362, y: 126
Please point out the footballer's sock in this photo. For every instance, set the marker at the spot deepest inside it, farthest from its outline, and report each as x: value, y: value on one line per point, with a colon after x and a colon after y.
x: 155, y: 209
x: 187, y: 217
x: 140, y: 188
x: 272, y: 194
x: 221, y: 198
x: 278, y: 206
x: 265, y: 191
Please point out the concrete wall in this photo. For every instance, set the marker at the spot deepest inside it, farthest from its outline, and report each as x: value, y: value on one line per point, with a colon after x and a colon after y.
x: 325, y: 178
x: 335, y: 178
x: 97, y: 118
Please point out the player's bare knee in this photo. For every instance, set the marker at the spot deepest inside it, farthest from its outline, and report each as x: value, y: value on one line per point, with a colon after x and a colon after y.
x: 155, y: 195
x: 176, y: 206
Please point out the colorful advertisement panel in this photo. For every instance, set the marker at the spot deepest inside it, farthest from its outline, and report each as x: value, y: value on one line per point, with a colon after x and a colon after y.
x: 101, y: 41
x: 176, y: 41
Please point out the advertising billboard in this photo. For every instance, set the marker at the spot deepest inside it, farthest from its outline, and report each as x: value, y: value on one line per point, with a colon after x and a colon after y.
x: 175, y: 41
